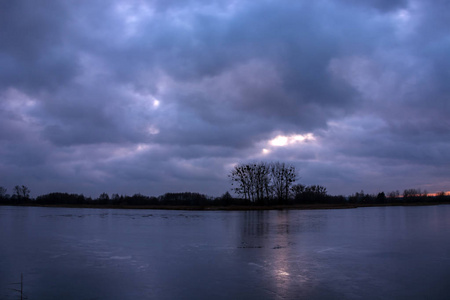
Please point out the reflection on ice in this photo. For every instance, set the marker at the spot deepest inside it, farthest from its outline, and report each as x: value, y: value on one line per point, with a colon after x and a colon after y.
x: 282, y: 273
x: 286, y: 273
x: 120, y: 257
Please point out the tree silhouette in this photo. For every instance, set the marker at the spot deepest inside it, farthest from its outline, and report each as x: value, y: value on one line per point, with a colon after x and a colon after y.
x: 261, y: 182
x: 21, y: 193
x: 2, y: 192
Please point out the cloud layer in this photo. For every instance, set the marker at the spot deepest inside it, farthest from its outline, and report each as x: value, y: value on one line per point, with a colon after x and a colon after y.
x: 165, y: 96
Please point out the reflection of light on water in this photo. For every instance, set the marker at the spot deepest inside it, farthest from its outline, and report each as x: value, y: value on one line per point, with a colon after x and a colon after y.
x: 282, y: 273
x: 288, y: 273
x: 282, y: 268
x: 291, y: 277
x: 291, y: 272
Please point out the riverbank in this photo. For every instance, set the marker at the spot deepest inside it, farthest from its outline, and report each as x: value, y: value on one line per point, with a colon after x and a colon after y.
x: 237, y: 207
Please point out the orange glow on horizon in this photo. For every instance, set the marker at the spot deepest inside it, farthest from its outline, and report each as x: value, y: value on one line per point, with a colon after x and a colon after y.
x: 438, y: 194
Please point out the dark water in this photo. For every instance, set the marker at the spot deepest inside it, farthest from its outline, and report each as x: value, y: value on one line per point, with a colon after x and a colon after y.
x: 365, y: 253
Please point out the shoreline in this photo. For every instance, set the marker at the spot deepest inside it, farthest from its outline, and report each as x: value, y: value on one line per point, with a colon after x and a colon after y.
x: 234, y: 207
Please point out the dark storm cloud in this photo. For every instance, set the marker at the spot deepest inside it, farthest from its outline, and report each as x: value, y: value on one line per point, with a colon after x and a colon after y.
x: 89, y: 115
x: 156, y: 96
x: 382, y: 5
x: 33, y: 50
x: 291, y: 40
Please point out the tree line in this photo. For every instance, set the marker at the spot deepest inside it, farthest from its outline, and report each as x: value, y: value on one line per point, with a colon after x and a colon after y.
x: 254, y: 184
x: 174, y: 199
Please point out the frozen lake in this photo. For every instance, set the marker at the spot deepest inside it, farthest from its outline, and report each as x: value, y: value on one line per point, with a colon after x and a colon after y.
x: 364, y: 253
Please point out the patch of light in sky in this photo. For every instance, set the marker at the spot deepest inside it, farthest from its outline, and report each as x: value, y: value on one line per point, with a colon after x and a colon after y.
x: 153, y: 130
x: 132, y: 15
x: 283, y: 140
x: 18, y: 103
x: 405, y: 22
x: 126, y: 151
x: 279, y: 141
x: 17, y: 100
x: 142, y: 147
x: 403, y: 15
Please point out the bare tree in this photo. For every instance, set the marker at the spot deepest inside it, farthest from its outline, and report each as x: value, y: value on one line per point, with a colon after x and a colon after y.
x: 261, y: 181
x: 2, y: 192
x: 297, y: 191
x: 283, y: 176
x: 241, y: 181
x: 21, y: 192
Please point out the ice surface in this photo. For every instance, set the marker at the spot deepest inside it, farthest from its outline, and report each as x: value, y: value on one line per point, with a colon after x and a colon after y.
x: 370, y: 253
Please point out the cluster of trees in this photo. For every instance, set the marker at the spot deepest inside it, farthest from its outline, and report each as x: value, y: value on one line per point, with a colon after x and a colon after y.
x: 21, y: 195
x: 313, y: 194
x: 263, y: 182
x: 180, y: 199
x: 274, y: 183
x: 395, y: 197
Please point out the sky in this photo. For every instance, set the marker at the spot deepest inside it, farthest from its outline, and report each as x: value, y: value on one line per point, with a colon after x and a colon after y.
x: 164, y: 96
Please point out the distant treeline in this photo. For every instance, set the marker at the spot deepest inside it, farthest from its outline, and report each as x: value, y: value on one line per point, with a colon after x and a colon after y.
x: 255, y: 184
x: 298, y: 195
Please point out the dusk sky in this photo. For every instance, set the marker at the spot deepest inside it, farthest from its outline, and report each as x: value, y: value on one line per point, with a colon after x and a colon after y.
x: 167, y: 96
